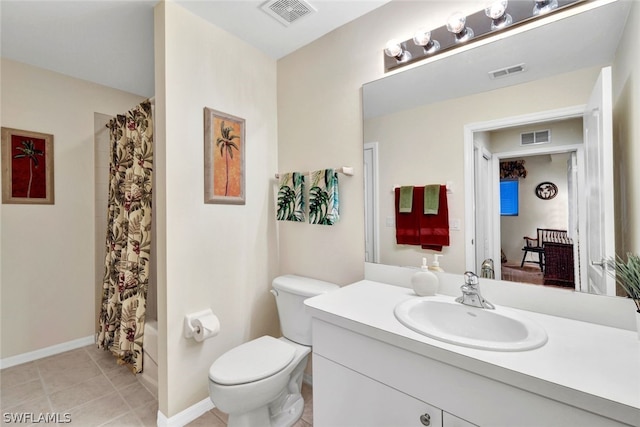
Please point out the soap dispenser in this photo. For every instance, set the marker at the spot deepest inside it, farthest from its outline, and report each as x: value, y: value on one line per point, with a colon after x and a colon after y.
x: 424, y: 282
x: 435, y: 265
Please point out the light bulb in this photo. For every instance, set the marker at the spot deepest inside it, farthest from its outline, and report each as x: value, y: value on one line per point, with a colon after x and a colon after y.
x: 496, y: 9
x: 393, y: 48
x: 544, y: 6
x: 455, y: 23
x: 422, y: 37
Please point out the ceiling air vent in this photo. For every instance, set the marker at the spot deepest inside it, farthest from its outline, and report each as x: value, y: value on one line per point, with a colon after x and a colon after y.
x: 287, y: 11
x: 537, y: 137
x: 507, y: 71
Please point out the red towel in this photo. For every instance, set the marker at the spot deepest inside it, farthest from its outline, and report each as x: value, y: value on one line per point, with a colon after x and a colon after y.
x: 416, y: 228
x: 434, y: 229
x: 408, y: 224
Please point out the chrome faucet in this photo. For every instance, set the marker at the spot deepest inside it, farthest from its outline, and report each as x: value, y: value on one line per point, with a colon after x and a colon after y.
x: 471, y: 292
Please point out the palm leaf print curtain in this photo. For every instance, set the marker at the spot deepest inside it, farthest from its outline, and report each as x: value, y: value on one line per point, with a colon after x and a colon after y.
x: 128, y: 242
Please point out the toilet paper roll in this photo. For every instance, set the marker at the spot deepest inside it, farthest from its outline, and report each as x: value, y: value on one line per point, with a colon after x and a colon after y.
x: 206, y: 326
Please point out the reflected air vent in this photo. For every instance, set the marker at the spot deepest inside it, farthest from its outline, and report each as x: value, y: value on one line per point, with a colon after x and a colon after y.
x: 287, y: 11
x: 507, y: 71
x: 537, y: 137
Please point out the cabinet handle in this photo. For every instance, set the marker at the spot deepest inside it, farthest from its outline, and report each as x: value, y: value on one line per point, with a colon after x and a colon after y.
x: 425, y: 419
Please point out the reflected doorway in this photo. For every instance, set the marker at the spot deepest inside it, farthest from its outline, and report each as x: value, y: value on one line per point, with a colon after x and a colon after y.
x: 501, y: 237
x: 544, y: 198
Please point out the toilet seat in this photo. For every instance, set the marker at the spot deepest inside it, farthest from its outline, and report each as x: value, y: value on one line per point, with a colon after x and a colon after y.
x: 252, y: 361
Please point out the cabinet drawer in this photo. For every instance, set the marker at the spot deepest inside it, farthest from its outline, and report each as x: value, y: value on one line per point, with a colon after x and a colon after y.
x: 350, y: 399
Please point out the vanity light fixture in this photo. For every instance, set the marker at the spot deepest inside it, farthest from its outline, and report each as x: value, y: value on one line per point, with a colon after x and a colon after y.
x: 395, y: 49
x: 423, y: 38
x: 496, y: 10
x: 544, y: 6
x: 457, y: 24
x: 497, y: 16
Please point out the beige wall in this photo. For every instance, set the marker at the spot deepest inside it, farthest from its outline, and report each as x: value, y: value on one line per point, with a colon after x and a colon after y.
x: 320, y: 125
x: 214, y: 256
x: 425, y: 145
x: 626, y: 88
x: 48, y: 282
x: 565, y: 132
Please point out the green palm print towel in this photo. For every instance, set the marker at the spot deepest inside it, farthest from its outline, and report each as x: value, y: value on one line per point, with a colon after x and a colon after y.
x: 291, y: 197
x: 324, y: 201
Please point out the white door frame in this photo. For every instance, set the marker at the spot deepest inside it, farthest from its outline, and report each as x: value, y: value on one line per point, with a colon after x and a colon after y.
x: 372, y: 214
x: 483, y: 188
x: 469, y: 177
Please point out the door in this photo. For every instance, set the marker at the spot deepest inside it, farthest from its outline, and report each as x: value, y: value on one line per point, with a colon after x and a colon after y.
x: 599, y: 203
x: 573, y: 228
x: 483, y: 183
x: 370, y: 205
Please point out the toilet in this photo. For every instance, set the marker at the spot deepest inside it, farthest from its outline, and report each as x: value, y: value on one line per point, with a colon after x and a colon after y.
x: 258, y: 383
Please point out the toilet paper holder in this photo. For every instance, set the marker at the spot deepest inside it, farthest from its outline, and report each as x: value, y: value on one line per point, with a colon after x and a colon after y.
x: 191, y: 329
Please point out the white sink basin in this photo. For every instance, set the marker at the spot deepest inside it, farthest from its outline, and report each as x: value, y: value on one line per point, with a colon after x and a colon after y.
x: 442, y: 318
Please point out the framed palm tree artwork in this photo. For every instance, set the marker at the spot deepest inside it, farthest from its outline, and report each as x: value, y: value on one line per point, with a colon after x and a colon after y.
x: 27, y: 167
x: 224, y: 158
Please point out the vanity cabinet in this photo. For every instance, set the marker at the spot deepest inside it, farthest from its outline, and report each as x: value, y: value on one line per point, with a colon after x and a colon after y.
x: 367, y: 402
x: 363, y: 401
x: 362, y: 381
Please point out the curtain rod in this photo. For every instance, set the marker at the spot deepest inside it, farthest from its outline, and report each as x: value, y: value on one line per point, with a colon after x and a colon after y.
x: 345, y: 170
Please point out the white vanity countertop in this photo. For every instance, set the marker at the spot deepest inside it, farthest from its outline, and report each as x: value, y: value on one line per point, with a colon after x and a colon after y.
x: 593, y: 367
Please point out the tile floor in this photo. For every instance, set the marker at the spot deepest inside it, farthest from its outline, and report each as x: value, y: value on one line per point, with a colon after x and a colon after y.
x: 87, y: 384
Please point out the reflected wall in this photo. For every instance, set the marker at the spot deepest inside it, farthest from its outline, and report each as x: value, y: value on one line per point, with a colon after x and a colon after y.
x: 425, y: 145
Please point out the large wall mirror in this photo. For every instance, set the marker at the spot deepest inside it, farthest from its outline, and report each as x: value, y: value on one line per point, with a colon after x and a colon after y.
x: 454, y: 121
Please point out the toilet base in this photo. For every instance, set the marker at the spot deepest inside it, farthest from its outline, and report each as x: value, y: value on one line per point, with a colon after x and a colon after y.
x: 289, y: 409
x: 290, y: 412
x: 258, y: 417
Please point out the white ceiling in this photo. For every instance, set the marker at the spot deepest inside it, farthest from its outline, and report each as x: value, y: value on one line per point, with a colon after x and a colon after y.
x: 92, y: 39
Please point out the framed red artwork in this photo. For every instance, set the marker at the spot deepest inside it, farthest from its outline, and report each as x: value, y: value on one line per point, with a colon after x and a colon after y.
x: 27, y: 167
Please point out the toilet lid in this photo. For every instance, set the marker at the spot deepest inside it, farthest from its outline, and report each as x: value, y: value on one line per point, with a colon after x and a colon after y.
x: 252, y: 361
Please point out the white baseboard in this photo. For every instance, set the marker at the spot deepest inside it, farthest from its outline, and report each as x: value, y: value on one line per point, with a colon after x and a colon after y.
x: 185, y: 417
x: 19, y: 359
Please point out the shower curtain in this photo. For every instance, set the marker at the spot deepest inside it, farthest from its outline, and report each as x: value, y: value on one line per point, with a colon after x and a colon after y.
x: 128, y: 242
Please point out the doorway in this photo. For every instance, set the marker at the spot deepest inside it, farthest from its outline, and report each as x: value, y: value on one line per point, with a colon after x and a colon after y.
x: 596, y: 243
x: 528, y: 209
x: 488, y: 149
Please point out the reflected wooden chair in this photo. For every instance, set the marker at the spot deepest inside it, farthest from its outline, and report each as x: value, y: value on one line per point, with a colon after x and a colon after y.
x: 531, y: 246
x: 536, y: 246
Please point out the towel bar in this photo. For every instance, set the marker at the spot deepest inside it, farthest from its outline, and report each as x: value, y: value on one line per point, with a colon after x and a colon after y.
x: 449, y: 186
x: 345, y: 170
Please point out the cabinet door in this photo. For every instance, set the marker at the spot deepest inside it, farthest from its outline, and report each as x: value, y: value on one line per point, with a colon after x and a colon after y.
x: 449, y: 420
x: 345, y: 398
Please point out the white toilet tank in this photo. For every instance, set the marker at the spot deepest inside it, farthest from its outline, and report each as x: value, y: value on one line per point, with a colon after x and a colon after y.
x: 290, y: 292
